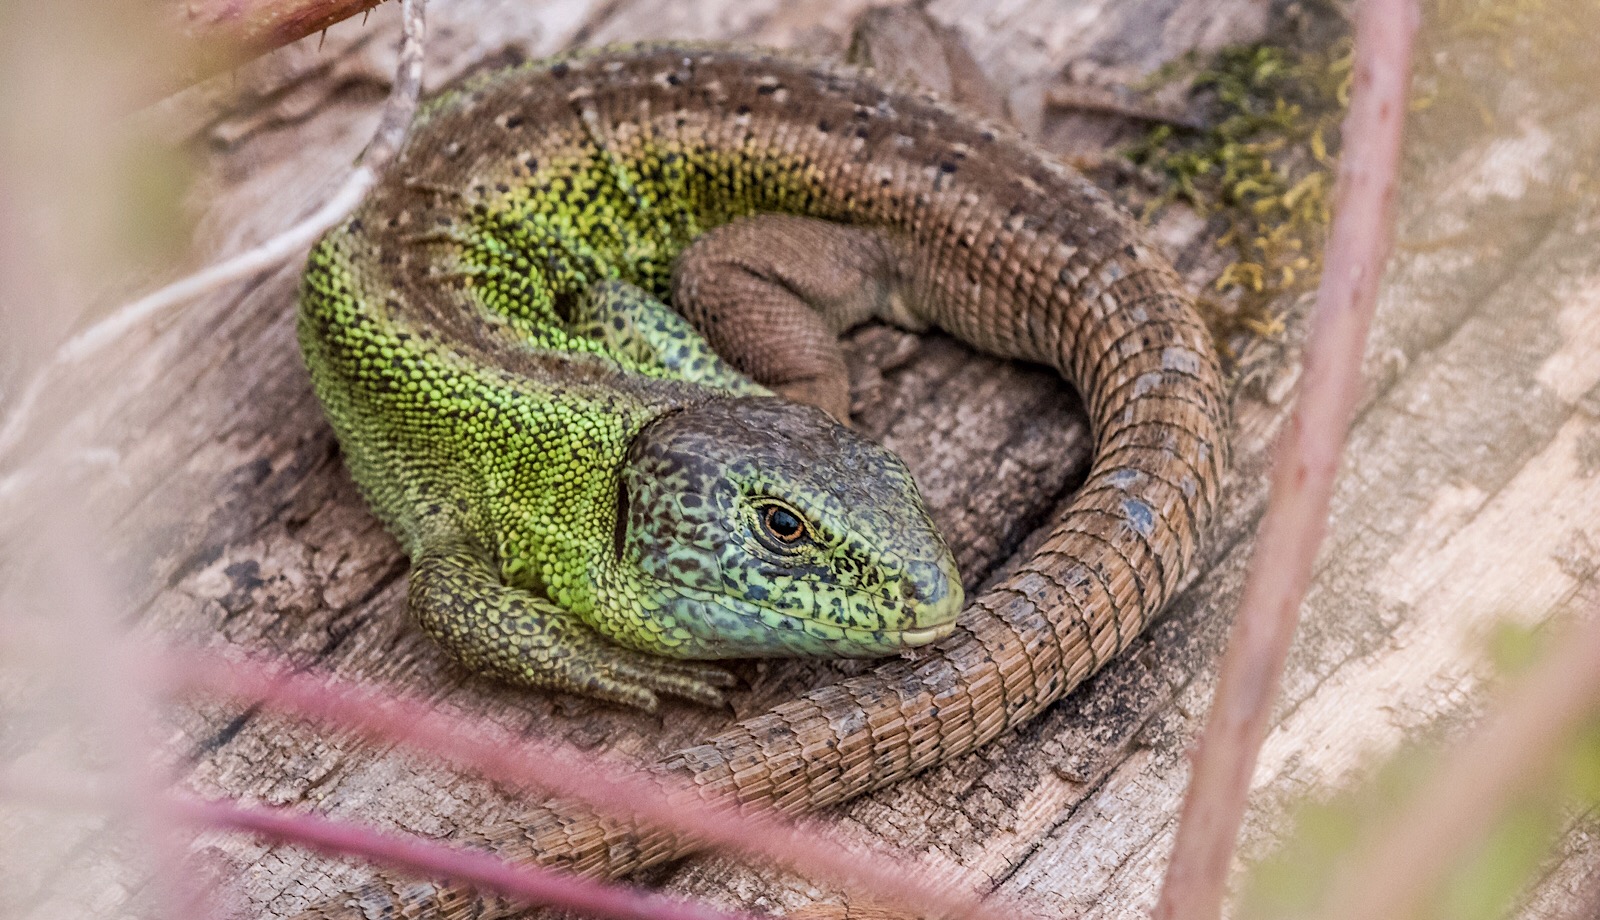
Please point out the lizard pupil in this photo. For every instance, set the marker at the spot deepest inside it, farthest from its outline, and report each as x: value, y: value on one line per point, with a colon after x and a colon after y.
x: 783, y: 524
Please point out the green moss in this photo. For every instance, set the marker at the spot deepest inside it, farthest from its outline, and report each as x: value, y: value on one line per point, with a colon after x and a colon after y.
x: 1262, y: 170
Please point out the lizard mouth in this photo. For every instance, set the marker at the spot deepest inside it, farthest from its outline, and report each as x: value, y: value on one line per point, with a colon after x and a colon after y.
x: 734, y: 635
x: 925, y: 634
x: 868, y: 643
x: 857, y: 642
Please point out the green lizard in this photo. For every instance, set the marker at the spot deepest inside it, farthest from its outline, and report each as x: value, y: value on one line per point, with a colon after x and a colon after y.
x: 565, y: 459
x: 574, y: 471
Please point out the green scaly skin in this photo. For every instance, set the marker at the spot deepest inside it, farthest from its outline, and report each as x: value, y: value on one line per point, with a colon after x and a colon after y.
x: 576, y: 477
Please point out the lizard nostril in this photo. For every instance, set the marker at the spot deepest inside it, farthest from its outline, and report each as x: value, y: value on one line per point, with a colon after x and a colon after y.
x: 923, y: 585
x: 920, y: 583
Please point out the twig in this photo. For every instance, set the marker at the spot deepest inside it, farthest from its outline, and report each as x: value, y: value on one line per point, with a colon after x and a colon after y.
x: 557, y: 770
x: 1303, y: 473
x: 1102, y: 100
x: 534, y: 885
x: 1513, y: 751
x: 386, y: 142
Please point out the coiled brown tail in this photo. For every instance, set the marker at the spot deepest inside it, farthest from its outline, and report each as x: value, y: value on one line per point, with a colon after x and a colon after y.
x: 1006, y: 250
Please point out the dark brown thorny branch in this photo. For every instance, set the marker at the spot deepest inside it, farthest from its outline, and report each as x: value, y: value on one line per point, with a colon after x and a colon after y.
x: 225, y: 33
x: 1308, y: 457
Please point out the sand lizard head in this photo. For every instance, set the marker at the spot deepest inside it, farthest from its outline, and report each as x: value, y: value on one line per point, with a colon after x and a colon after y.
x: 755, y: 527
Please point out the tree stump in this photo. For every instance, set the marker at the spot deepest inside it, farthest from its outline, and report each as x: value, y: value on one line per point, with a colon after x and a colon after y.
x: 1471, y: 492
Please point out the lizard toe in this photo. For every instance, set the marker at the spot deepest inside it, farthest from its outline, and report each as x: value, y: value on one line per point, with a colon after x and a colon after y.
x: 687, y: 680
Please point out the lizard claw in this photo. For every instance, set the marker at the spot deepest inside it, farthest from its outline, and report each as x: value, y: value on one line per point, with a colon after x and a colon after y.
x: 640, y: 677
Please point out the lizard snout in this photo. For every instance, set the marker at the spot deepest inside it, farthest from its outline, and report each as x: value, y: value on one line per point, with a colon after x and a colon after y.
x: 933, y: 596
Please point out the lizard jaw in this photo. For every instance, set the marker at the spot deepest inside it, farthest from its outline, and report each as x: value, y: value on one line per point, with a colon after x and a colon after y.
x: 926, y: 634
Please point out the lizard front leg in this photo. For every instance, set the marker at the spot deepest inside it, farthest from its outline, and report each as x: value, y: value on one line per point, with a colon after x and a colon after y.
x: 457, y: 597
x: 647, y: 331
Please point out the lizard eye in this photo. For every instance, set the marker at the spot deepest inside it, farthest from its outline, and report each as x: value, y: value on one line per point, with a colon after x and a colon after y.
x: 783, y: 526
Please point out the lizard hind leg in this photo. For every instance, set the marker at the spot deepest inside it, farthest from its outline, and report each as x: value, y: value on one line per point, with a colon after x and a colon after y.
x: 457, y: 597
x: 646, y: 331
x: 771, y: 293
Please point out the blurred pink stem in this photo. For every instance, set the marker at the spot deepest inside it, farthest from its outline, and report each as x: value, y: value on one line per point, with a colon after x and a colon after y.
x: 1308, y: 455
x: 533, y: 885
x: 530, y: 884
x: 566, y: 773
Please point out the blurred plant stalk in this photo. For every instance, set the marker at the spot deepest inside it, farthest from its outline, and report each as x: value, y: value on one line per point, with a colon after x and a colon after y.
x: 1305, y: 464
x: 75, y: 193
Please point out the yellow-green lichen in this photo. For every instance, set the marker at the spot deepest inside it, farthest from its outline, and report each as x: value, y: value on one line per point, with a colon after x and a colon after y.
x: 1263, y: 169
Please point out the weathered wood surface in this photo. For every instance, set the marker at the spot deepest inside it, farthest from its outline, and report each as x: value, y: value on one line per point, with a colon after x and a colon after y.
x: 1470, y: 495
